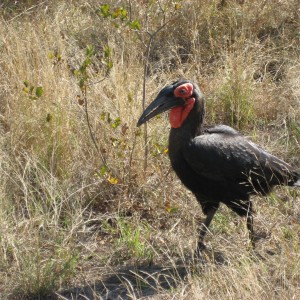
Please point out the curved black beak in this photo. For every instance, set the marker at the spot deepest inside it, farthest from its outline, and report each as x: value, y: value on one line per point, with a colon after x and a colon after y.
x: 164, y: 101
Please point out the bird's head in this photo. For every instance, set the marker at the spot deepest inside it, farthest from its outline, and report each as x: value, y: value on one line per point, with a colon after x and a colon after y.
x: 179, y: 97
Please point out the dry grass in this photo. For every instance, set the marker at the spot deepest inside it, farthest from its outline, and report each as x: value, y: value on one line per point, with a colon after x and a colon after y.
x: 73, y: 229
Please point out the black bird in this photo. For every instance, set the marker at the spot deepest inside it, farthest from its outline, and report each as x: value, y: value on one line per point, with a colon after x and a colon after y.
x: 216, y: 163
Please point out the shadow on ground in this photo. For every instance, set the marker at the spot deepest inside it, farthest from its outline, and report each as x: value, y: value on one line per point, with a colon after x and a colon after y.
x: 135, y: 282
x: 130, y: 282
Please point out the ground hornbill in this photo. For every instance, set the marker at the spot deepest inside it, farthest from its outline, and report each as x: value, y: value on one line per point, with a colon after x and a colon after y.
x: 216, y: 163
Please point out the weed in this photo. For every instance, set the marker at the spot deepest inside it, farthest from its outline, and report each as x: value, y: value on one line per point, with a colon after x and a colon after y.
x: 134, y: 238
x: 221, y: 223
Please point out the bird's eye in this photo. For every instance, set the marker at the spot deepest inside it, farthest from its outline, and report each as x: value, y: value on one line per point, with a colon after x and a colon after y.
x: 185, y: 90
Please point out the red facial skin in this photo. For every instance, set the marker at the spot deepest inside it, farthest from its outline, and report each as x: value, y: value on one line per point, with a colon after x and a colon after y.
x: 178, y: 114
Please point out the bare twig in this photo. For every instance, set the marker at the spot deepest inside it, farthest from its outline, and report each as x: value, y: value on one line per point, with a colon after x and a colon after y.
x: 130, y: 10
x: 90, y: 127
x: 92, y: 83
x: 146, y: 65
x: 130, y: 164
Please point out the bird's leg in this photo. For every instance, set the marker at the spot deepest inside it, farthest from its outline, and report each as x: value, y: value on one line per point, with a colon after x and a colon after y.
x: 250, y: 225
x: 204, y: 228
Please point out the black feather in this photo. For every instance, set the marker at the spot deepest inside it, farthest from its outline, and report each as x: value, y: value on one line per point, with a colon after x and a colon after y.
x: 219, y: 165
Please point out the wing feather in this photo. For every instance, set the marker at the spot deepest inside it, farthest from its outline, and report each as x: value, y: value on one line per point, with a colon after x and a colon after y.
x: 224, y: 155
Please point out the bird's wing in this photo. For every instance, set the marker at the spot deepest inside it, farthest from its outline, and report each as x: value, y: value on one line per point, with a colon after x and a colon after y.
x: 223, y: 154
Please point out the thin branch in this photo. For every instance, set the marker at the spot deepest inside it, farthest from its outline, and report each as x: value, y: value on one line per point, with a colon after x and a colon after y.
x: 93, y: 83
x: 144, y: 101
x: 90, y: 127
x: 146, y: 63
x: 130, y: 10
x: 130, y: 164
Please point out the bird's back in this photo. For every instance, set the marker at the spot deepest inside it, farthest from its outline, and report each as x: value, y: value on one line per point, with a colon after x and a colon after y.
x: 222, y: 165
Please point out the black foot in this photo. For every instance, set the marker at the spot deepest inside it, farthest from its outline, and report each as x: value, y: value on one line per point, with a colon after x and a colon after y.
x: 200, y: 254
x: 200, y: 247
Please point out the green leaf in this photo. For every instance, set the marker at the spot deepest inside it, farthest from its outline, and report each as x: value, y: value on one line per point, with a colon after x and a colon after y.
x: 107, y: 57
x: 89, y: 50
x: 172, y: 210
x: 105, y: 10
x: 107, y: 51
x: 135, y: 25
x: 116, y: 123
x: 87, y: 62
x: 116, y: 13
x: 58, y: 56
x: 178, y: 6
x: 103, y: 170
x: 124, y: 14
x: 109, y: 64
x: 82, y: 68
x: 39, y: 91
x: 102, y: 116
x: 82, y: 82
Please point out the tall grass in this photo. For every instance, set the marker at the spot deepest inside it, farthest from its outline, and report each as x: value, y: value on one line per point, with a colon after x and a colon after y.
x: 68, y: 218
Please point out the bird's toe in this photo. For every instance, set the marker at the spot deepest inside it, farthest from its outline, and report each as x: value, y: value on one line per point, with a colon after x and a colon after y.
x: 200, y: 247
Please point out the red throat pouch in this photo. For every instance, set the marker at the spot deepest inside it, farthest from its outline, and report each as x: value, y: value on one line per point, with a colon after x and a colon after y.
x: 179, y: 114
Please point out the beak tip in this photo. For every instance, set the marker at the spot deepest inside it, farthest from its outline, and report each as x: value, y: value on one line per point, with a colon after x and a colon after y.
x: 139, y: 123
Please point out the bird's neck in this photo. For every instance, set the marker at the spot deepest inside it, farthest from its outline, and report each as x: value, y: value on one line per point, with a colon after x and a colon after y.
x: 191, y: 127
x: 182, y: 136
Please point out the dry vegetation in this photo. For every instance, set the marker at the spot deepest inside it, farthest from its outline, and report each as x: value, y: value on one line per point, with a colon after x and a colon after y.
x: 79, y: 217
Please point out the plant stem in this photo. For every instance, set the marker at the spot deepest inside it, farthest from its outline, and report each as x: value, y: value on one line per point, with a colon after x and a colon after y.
x: 89, y: 125
x: 146, y: 63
